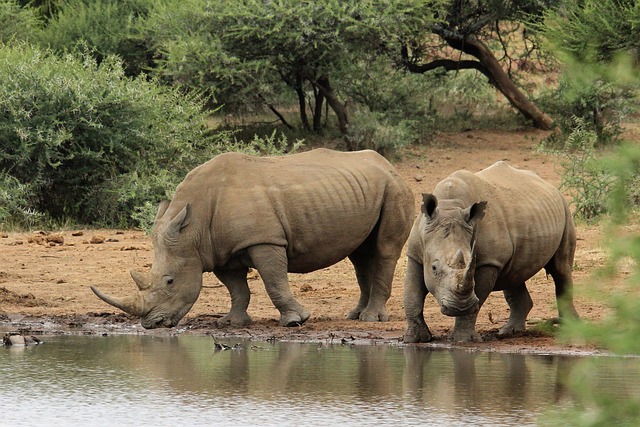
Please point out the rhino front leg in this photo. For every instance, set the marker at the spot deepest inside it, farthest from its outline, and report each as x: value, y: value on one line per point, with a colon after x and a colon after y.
x: 520, y: 305
x: 415, y: 292
x: 464, y: 329
x: 271, y: 262
x: 236, y: 282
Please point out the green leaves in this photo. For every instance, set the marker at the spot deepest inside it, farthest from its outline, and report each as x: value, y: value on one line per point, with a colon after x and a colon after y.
x: 69, y: 125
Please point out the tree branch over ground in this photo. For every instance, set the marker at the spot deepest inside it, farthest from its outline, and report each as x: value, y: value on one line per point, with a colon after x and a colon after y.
x: 467, y: 27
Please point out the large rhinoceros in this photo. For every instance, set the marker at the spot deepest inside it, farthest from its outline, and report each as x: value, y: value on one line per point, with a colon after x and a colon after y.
x: 296, y: 213
x: 484, y: 232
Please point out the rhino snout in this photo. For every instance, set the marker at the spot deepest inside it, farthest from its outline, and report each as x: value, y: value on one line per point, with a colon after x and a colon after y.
x: 455, y: 309
x: 158, y: 322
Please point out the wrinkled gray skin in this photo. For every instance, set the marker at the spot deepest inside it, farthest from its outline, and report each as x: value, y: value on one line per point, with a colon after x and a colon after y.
x: 484, y: 232
x: 296, y: 213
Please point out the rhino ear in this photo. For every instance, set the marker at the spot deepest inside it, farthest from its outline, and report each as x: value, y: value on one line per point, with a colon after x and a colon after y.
x: 162, y: 208
x: 475, y: 212
x: 429, y: 205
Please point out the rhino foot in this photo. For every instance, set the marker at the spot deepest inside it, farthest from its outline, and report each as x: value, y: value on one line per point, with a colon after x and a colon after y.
x: 294, y: 318
x: 234, y: 319
x: 354, y: 314
x: 510, y: 329
x: 374, y: 316
x: 465, y: 336
x: 416, y: 335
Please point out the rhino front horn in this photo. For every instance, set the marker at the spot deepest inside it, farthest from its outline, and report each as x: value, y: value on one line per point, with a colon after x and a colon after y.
x: 133, y: 306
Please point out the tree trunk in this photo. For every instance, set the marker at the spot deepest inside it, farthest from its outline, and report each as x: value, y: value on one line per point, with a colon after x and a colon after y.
x: 302, y: 103
x: 317, y: 111
x: 341, y: 112
x: 501, y: 81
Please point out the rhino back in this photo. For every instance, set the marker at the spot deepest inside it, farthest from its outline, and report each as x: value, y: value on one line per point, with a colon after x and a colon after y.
x: 524, y: 221
x: 320, y: 204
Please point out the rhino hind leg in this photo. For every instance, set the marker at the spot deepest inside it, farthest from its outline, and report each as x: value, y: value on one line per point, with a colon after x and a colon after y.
x: 520, y: 304
x: 236, y: 283
x: 374, y: 274
x: 271, y: 262
x: 560, y: 268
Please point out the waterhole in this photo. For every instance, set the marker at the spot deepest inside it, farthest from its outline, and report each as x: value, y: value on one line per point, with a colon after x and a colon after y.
x: 187, y: 381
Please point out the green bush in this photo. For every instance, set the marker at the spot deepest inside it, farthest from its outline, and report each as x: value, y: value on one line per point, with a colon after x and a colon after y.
x: 619, y: 331
x: 15, y: 199
x: 16, y: 23
x: 375, y: 131
x: 598, y: 106
x: 85, y: 139
x: 107, y: 27
x: 583, y: 176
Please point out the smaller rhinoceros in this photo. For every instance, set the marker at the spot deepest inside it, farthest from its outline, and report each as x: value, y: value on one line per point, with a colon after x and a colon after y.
x: 483, y: 232
x: 296, y: 213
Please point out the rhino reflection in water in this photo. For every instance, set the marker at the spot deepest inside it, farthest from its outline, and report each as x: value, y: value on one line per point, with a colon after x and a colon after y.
x: 295, y: 213
x: 484, y: 232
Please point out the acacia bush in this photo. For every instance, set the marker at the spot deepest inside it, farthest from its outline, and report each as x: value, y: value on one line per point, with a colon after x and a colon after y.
x: 89, y: 143
x: 108, y: 27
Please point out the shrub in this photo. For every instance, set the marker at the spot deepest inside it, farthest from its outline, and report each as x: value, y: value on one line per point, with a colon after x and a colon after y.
x: 619, y: 331
x: 108, y: 27
x: 598, y: 106
x: 16, y: 23
x: 583, y: 175
x: 85, y: 139
x: 15, y: 199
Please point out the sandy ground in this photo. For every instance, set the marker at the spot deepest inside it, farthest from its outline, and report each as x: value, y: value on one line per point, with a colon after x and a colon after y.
x: 45, y: 276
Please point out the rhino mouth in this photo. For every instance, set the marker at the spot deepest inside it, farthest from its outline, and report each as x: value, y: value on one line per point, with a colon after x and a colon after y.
x: 455, y: 310
x: 158, y: 322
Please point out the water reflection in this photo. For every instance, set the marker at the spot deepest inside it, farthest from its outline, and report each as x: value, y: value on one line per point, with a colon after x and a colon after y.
x: 148, y: 380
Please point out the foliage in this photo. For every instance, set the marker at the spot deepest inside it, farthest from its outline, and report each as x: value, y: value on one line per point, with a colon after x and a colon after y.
x: 583, y: 176
x: 596, y: 101
x: 17, y: 23
x: 73, y: 131
x: 620, y: 331
x: 600, y: 34
x: 108, y: 27
x: 593, y: 31
x: 185, y: 35
x: 15, y: 199
x: 375, y: 131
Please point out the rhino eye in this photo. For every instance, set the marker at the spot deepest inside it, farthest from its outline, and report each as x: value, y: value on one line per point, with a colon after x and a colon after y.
x: 168, y: 280
x: 435, y: 267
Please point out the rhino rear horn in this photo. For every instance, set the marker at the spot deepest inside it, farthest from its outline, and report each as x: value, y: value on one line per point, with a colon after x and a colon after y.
x: 180, y: 221
x: 133, y: 305
x: 140, y: 279
x: 458, y: 260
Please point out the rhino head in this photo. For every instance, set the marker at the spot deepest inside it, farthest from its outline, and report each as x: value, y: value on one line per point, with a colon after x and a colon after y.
x: 450, y: 253
x: 173, y: 285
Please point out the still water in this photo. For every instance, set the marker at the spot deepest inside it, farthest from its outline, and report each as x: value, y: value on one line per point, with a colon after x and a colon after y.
x: 183, y: 381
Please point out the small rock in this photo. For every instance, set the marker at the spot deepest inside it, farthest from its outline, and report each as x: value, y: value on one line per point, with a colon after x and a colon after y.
x: 57, y: 239
x: 306, y: 288
x: 96, y: 240
x: 4, y: 235
x: 418, y: 178
x: 38, y: 239
x: 77, y: 233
